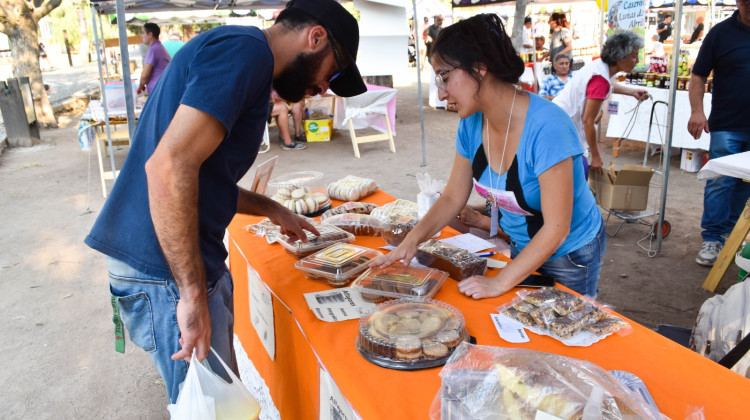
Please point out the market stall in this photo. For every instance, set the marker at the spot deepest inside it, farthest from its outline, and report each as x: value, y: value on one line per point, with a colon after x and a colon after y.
x: 313, y: 369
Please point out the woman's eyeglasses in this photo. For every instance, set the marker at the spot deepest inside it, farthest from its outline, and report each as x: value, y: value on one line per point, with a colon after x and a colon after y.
x: 439, y: 78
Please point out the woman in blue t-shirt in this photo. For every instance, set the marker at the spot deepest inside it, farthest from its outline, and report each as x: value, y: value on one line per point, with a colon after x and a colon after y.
x: 521, y: 152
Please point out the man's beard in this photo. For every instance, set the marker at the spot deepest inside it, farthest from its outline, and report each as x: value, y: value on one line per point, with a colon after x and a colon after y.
x: 299, y: 76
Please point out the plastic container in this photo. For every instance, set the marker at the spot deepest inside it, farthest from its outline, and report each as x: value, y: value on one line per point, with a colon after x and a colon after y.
x: 338, y: 264
x: 395, y: 229
x: 329, y: 235
x: 352, y: 188
x: 399, y: 281
x: 301, y: 192
x: 407, y: 335
x: 458, y: 262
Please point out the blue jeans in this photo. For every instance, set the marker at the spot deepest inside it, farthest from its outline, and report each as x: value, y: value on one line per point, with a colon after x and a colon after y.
x: 578, y: 270
x: 148, y: 308
x: 724, y: 198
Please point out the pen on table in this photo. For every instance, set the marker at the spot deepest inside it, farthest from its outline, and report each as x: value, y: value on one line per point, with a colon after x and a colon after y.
x: 486, y: 254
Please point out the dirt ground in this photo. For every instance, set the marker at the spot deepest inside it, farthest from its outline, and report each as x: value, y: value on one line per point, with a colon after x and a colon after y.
x: 57, y: 332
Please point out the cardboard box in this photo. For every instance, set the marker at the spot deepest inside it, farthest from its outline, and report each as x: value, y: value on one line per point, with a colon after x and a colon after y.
x: 626, y: 190
x: 691, y: 160
x: 319, y: 130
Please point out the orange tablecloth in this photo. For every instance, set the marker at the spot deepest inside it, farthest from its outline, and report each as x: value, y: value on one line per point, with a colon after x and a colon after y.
x: 676, y: 377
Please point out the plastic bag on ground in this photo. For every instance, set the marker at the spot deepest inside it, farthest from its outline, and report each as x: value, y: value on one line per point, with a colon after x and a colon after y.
x: 205, y: 395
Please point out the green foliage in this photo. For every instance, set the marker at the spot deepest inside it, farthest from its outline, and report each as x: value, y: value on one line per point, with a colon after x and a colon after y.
x: 65, y: 17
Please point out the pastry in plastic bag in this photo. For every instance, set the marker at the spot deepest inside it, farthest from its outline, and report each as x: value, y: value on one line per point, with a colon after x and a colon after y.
x: 358, y: 224
x: 458, y: 262
x: 481, y: 382
x: 351, y: 188
x: 349, y: 207
x: 394, y: 230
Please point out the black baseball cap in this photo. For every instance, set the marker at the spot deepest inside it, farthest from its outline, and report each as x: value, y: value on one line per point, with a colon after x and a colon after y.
x: 342, y: 26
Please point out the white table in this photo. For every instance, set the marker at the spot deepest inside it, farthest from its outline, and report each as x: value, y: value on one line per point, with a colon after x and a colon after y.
x: 737, y: 166
x: 680, y: 135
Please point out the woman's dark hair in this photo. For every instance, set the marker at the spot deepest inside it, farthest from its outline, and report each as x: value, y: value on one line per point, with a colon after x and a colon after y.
x: 153, y: 29
x: 560, y: 19
x: 479, y: 40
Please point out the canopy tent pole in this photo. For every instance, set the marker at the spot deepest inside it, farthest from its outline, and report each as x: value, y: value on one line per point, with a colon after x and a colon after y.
x: 104, y: 95
x: 419, y: 80
x: 104, y: 48
x: 670, y: 121
x: 125, y: 64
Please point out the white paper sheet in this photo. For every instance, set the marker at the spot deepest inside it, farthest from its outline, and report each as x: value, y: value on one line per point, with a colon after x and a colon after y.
x: 261, y: 311
x: 510, y: 331
x: 333, y: 405
x: 469, y: 242
x: 337, y: 304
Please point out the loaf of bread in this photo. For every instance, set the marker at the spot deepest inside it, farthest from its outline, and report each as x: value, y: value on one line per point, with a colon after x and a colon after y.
x: 459, y: 263
x: 358, y: 224
x: 395, y: 229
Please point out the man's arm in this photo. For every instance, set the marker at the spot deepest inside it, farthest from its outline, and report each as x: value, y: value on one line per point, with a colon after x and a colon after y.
x: 697, y: 123
x: 145, y: 77
x: 172, y: 175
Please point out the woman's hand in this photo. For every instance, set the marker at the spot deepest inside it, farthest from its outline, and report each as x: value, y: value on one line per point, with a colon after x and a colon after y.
x: 404, y: 252
x: 480, y: 287
x: 640, y: 94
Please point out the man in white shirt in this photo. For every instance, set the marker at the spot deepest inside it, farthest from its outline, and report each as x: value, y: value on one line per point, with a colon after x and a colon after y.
x: 527, y: 36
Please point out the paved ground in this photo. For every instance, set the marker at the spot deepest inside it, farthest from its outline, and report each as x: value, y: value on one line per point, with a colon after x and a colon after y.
x: 57, y: 340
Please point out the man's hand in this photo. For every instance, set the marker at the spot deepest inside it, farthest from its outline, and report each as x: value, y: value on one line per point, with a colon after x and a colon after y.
x: 596, y: 164
x: 194, y: 321
x: 292, y: 225
x: 697, y: 124
x: 141, y: 89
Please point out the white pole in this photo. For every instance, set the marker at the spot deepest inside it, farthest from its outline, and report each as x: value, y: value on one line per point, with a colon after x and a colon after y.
x: 104, y: 96
x: 419, y: 81
x: 125, y: 64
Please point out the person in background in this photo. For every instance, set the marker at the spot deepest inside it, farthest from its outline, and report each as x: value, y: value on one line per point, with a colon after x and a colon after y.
x: 698, y: 31
x: 173, y: 44
x: 554, y: 82
x: 561, y: 40
x: 516, y: 142
x: 539, y: 46
x: 726, y: 52
x: 432, y: 33
x: 657, y: 47
x: 163, y: 225
x: 280, y: 110
x: 583, y: 97
x: 156, y: 59
x: 527, y: 37
x: 422, y: 43
x: 664, y: 29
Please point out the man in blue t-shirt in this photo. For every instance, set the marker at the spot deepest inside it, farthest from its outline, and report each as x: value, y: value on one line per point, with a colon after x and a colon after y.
x: 163, y: 225
x: 726, y: 52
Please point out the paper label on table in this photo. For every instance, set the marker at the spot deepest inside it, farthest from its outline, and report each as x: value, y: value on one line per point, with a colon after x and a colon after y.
x: 261, y: 311
x: 509, y: 331
x: 541, y: 415
x: 333, y: 405
x: 613, y: 107
x: 506, y: 200
x: 388, y: 247
x: 469, y: 242
x: 337, y: 304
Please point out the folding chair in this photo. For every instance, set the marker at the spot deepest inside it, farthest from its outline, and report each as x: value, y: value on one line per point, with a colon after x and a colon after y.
x: 369, y: 109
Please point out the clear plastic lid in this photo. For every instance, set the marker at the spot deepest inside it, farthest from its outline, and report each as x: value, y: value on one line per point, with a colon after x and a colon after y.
x: 404, y: 334
x: 399, y: 281
x: 337, y: 264
x: 329, y: 235
x: 301, y: 192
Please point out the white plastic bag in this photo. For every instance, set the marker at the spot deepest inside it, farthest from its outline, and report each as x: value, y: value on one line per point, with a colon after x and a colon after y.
x: 429, y: 192
x: 205, y: 395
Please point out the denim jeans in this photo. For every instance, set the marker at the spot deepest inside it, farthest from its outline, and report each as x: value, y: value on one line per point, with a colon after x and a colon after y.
x: 578, y: 270
x: 724, y: 198
x: 148, y: 305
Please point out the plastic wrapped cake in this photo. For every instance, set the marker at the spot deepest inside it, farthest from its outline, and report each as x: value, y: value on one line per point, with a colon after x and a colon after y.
x: 329, y: 235
x: 459, y: 263
x: 407, y: 335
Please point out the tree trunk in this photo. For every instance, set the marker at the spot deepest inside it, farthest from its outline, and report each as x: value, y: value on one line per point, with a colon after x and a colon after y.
x: 518, y: 24
x: 25, y: 52
x: 83, y: 46
x: 187, y: 32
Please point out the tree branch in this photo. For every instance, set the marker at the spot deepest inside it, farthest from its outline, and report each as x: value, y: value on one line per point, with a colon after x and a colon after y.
x: 45, y: 9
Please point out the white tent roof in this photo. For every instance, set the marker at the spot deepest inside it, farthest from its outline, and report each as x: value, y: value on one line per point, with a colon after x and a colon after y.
x: 132, y: 6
